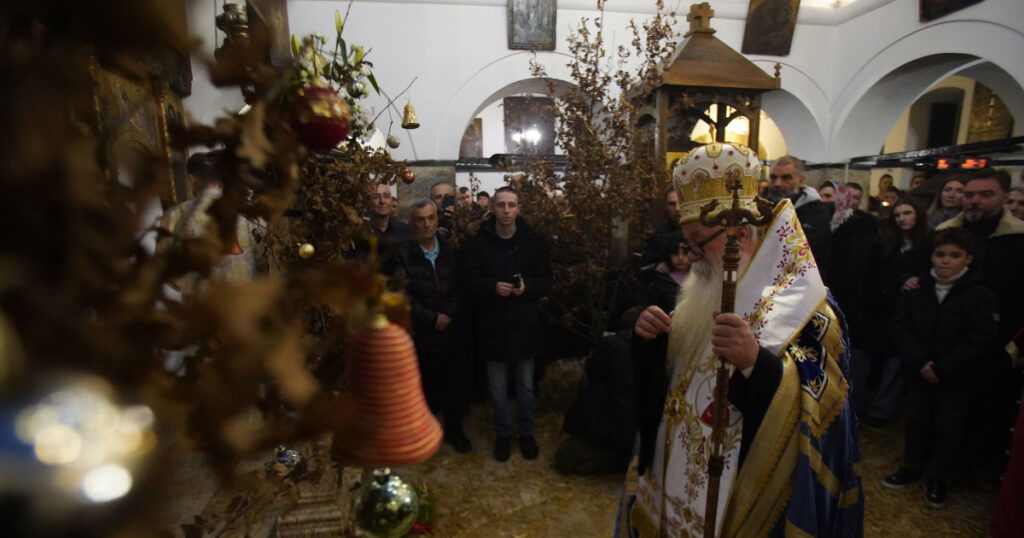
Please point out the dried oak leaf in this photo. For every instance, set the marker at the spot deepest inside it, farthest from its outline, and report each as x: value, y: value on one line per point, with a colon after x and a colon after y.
x: 286, y: 362
x: 254, y: 145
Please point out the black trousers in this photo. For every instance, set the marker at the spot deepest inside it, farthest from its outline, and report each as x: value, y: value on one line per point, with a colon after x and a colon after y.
x: 936, y: 421
x: 444, y: 380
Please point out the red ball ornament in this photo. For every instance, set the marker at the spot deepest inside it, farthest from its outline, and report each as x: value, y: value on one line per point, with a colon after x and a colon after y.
x: 408, y: 176
x: 320, y: 117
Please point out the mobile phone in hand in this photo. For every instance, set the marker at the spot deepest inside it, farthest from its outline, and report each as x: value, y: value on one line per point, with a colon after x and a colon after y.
x: 517, y: 279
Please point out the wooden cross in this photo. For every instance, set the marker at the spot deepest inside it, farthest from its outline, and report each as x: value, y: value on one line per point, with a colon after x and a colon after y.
x: 699, y: 18
x: 731, y: 218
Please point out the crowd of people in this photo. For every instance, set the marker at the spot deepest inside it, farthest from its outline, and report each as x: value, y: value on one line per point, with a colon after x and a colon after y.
x: 924, y: 284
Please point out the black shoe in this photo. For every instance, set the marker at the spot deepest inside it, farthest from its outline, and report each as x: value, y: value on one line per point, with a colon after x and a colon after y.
x: 901, y: 478
x: 502, y: 448
x: 459, y: 441
x: 935, y: 491
x: 528, y: 446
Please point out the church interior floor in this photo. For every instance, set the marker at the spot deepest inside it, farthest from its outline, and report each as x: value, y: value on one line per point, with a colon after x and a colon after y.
x: 475, y: 496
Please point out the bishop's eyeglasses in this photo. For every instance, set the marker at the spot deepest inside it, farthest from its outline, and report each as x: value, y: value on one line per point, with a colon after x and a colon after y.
x: 698, y: 247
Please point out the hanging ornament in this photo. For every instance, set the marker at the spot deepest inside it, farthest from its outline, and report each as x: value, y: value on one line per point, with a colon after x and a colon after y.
x: 393, y: 141
x: 306, y: 251
x: 409, y: 120
x: 387, y: 506
x: 408, y: 176
x: 396, y: 426
x: 321, y: 117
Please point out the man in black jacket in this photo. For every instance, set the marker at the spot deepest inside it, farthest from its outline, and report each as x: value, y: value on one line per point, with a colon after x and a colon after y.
x: 507, y: 271
x: 389, y: 231
x: 788, y: 181
x: 430, y: 269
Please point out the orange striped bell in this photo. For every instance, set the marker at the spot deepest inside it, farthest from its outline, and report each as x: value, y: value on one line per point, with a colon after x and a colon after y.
x: 384, y: 386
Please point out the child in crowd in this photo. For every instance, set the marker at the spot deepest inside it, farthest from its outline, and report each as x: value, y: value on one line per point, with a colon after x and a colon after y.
x: 668, y: 275
x: 941, y: 331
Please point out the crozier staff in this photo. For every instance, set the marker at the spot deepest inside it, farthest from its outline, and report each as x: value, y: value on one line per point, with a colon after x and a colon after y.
x: 789, y: 443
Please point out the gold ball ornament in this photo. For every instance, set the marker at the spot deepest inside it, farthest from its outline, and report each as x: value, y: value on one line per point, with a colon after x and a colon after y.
x: 393, y: 142
x: 306, y: 251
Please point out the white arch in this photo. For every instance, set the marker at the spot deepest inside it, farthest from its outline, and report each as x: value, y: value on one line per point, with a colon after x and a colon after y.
x: 800, y: 129
x: 491, y: 82
x: 892, y: 79
x: 799, y: 109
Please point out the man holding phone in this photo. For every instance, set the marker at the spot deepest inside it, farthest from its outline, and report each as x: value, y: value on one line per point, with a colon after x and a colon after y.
x: 443, y: 196
x: 506, y: 272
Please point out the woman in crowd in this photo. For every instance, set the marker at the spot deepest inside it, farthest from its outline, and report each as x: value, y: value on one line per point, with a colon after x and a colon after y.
x: 948, y: 200
x: 904, y: 255
x: 876, y: 204
x: 1015, y: 201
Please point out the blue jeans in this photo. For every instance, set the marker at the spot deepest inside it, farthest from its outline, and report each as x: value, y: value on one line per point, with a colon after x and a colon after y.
x: 497, y: 382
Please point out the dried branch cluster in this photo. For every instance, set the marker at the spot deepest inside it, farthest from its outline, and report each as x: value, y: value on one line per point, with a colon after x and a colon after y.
x: 614, y: 172
x: 79, y: 294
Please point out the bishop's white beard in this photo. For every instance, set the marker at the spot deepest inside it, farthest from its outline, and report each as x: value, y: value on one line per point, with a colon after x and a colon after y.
x: 700, y: 296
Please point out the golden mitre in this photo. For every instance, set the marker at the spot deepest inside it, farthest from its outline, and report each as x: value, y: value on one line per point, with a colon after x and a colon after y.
x: 702, y: 174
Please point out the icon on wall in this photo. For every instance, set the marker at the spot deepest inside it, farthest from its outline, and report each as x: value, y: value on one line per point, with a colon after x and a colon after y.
x: 531, y: 24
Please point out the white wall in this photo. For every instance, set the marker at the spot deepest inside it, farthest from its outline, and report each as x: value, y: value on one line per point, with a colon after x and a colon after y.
x: 844, y: 85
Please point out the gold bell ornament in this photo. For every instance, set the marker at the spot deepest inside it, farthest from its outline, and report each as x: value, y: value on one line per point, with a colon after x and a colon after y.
x: 409, y: 120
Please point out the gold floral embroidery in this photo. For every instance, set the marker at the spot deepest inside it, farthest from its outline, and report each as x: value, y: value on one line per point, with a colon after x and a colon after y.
x: 796, y: 261
x: 803, y: 353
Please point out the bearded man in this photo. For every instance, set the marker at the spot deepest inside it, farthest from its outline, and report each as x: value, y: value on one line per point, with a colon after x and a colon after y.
x: 789, y: 182
x: 790, y: 449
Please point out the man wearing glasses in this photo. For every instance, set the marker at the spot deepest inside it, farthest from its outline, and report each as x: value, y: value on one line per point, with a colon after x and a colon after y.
x: 787, y: 181
x: 791, y: 451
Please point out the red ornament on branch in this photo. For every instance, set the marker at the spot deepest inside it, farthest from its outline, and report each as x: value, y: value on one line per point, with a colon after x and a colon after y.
x: 408, y: 176
x: 320, y: 117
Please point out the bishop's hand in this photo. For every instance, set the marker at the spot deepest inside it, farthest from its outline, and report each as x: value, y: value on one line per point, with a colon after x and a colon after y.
x: 732, y: 340
x: 652, y: 322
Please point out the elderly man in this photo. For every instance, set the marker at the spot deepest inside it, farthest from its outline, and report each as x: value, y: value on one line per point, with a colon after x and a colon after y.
x: 790, y: 452
x: 789, y: 182
x: 431, y: 273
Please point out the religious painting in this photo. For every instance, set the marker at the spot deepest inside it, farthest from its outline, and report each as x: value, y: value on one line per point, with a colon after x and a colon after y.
x: 933, y: 9
x: 770, y: 27
x: 135, y: 120
x: 173, y: 121
x: 990, y: 118
x: 472, y: 140
x: 531, y: 24
x: 529, y: 125
x: 128, y: 114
